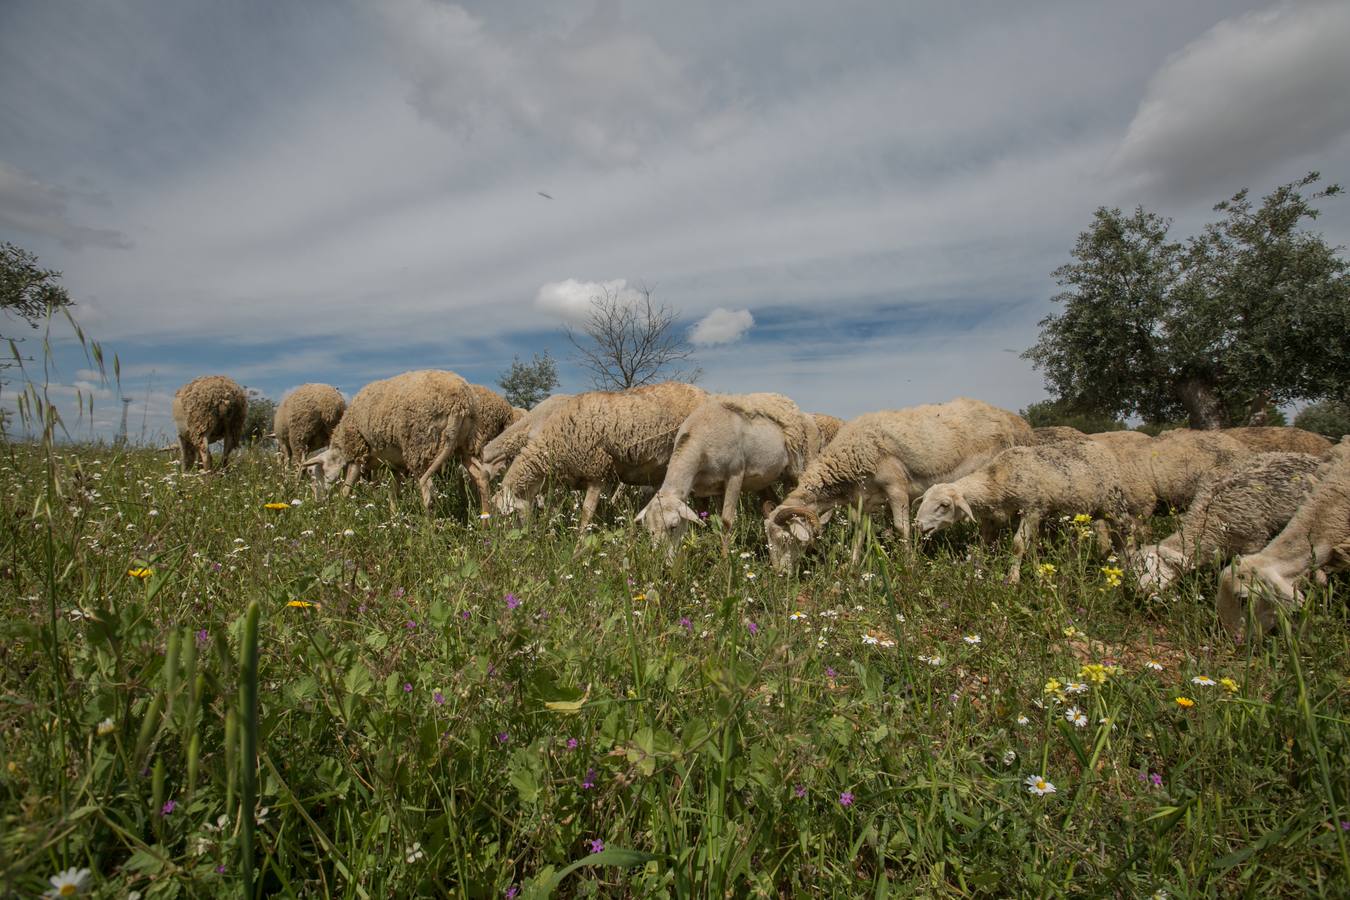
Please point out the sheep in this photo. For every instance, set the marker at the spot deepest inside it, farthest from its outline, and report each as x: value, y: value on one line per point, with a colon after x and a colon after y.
x: 499, y: 452
x: 305, y: 420
x: 494, y: 416
x: 1053, y: 434
x: 1236, y: 513
x: 1267, y: 438
x: 730, y: 443
x: 828, y: 426
x: 1316, y: 537
x: 1178, y: 461
x: 889, y: 458
x: 207, y: 409
x: 414, y: 423
x: 1032, y: 483
x: 600, y: 438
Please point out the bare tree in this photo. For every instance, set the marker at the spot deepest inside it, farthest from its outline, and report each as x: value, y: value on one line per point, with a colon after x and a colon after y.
x: 627, y: 342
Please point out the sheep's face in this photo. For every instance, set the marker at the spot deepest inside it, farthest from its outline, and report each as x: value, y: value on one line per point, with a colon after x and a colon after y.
x: 787, y: 542
x: 1245, y: 583
x: 326, y: 467
x: 492, y: 469
x: 666, y: 517
x: 941, y: 507
x: 507, y: 503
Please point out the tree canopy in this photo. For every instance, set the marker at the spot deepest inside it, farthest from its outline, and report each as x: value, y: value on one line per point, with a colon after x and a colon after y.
x: 525, y: 384
x: 1252, y: 311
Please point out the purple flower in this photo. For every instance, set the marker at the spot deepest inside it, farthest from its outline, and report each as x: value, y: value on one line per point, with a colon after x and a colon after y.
x: 503, y: 737
x: 398, y: 592
x: 589, y: 781
x: 439, y: 698
x: 846, y: 798
x: 407, y: 687
x: 1345, y: 826
x: 168, y: 808
x: 703, y: 514
x: 800, y: 791
x: 597, y: 845
x: 511, y: 892
x: 202, y: 637
x: 754, y: 629
x: 686, y: 624
x: 512, y: 601
x: 572, y: 743
x: 220, y: 869
x: 464, y: 615
x: 1156, y: 779
x: 361, y: 608
x: 410, y: 625
x: 830, y: 673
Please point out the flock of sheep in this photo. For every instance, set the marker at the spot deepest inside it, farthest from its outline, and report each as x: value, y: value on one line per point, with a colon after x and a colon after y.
x: 1276, y: 498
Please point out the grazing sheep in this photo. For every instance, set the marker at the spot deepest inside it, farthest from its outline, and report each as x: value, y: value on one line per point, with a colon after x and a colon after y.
x: 494, y: 415
x: 1237, y: 513
x: 889, y: 458
x: 601, y: 438
x: 1053, y: 434
x: 1317, y: 537
x: 305, y: 421
x: 1181, y: 461
x: 1270, y: 438
x: 730, y: 443
x: 413, y: 423
x: 1033, y: 483
x: 828, y: 426
x: 499, y: 452
x: 1121, y: 441
x: 206, y: 409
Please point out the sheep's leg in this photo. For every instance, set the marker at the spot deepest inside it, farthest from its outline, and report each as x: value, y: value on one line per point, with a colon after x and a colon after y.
x: 226, y: 446
x: 204, y: 453
x: 1026, y: 534
x: 349, y: 480
x: 425, y: 481
x: 396, y: 491
x: 730, y: 500
x: 188, y: 451
x: 480, y: 483
x: 1104, y: 540
x: 588, y: 505
x: 989, y: 529
x: 893, y: 480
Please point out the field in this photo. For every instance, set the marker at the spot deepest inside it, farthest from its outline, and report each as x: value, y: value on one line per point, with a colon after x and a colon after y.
x: 460, y: 707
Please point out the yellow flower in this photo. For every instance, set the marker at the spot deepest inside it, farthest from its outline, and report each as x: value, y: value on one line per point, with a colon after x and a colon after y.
x: 1052, y: 686
x: 1185, y: 702
x: 140, y: 572
x: 1097, y: 673
x: 1113, y: 575
x: 275, y: 505
x: 1045, y: 570
x: 1082, y: 519
x: 1229, y: 685
x: 106, y: 727
x: 639, y: 598
x: 301, y: 604
x: 1070, y: 631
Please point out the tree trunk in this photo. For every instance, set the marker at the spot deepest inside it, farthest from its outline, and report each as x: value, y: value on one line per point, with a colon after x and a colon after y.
x: 1202, y: 405
x: 1257, y: 409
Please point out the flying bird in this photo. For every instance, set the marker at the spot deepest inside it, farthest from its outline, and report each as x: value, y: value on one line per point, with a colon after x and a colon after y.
x: 545, y: 196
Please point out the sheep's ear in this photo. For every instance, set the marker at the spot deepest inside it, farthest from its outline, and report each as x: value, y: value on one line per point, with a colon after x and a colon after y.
x: 316, y: 460
x: 826, y: 515
x: 962, y: 505
x: 688, y: 514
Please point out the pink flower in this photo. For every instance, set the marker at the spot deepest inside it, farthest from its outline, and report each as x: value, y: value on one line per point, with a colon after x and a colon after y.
x: 597, y: 845
x: 846, y: 798
x: 512, y: 601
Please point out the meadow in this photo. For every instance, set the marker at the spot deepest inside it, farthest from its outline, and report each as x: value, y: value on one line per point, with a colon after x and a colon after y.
x: 460, y: 706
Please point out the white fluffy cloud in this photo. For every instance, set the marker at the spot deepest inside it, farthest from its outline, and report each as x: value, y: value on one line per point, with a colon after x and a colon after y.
x: 721, y: 326
x: 1252, y: 91
x: 571, y: 299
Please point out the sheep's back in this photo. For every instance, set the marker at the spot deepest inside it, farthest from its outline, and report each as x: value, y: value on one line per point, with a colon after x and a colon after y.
x: 212, y: 406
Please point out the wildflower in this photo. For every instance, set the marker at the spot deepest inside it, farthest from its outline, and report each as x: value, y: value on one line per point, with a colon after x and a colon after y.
x: 141, y: 572
x: 168, y: 807
x: 1052, y: 686
x: 511, y: 892
x: 106, y: 727
x: 484, y: 516
x: 1082, y: 519
x: 202, y: 637
x: 1075, y: 687
x: 934, y: 660
x: 1185, y: 702
x: 439, y: 698
x: 686, y: 624
x: 512, y: 601
x: 1036, y: 784
x: 1097, y: 673
x: 1203, y: 681
x: 1046, y: 570
x: 589, y: 781
x: 69, y: 883
x: 1023, y: 720
x: 846, y: 798
x: 800, y: 791
x: 639, y: 598
x: 407, y: 687
x: 1155, y: 779
x: 797, y: 616
x: 1159, y: 894
x: 1154, y: 665
x: 1075, y: 715
x: 1113, y: 575
x: 296, y: 503
x: 347, y: 532
x: 572, y: 743
x: 597, y: 846
x: 972, y: 639
x: 830, y: 672
x: 300, y: 604
x: 1009, y: 757
x: 1070, y: 631
x: 1229, y: 685
x: 414, y: 853
x: 276, y: 506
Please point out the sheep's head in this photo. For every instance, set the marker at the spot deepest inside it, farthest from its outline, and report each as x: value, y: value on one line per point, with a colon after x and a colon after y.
x: 492, y: 467
x: 325, y: 467
x: 1154, y: 567
x: 507, y: 502
x: 942, y: 505
x: 666, y: 517
x: 1246, y: 583
x: 790, y: 530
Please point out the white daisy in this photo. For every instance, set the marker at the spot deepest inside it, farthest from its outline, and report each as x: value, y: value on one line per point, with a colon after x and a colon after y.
x: 106, y: 727
x: 1023, y: 720
x: 1037, y: 785
x: 1075, y: 687
x: 1154, y: 665
x: 971, y: 639
x: 1075, y: 715
x: 69, y: 883
x: 1204, y: 680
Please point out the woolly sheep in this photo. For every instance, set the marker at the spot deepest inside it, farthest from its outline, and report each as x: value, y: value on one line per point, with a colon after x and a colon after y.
x: 1053, y: 434
x: 828, y: 426
x: 1236, y: 513
x: 601, y: 438
x: 414, y: 423
x: 206, y: 409
x: 494, y: 415
x: 499, y: 452
x: 1178, y: 461
x: 1317, y: 537
x: 1269, y: 438
x: 889, y: 458
x: 730, y: 443
x: 1033, y: 483
x: 305, y: 421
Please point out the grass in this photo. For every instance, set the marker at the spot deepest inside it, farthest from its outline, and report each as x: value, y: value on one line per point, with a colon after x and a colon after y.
x: 454, y: 707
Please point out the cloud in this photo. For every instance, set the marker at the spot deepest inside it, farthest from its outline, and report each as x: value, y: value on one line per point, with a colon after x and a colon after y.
x: 571, y: 299
x: 30, y: 207
x: 721, y: 326
x: 1253, y: 91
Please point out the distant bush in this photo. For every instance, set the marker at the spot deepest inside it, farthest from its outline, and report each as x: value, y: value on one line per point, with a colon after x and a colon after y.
x: 1057, y: 412
x: 1330, y: 418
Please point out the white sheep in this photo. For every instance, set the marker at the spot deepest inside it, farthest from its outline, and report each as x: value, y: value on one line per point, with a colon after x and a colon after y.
x: 305, y: 420
x: 1236, y: 513
x: 730, y: 443
x: 493, y: 416
x: 206, y: 409
x: 1317, y: 537
x: 1032, y: 484
x: 499, y: 452
x: 887, y: 459
x: 1281, y: 438
x: 599, y: 439
x: 413, y: 423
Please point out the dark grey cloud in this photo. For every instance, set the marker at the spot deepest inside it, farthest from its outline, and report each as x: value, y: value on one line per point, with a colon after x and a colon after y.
x: 28, y: 206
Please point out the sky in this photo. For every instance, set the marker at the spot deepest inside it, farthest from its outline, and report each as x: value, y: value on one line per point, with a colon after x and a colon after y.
x: 857, y: 204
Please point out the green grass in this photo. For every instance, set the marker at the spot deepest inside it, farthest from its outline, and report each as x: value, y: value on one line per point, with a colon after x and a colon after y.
x: 406, y: 745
